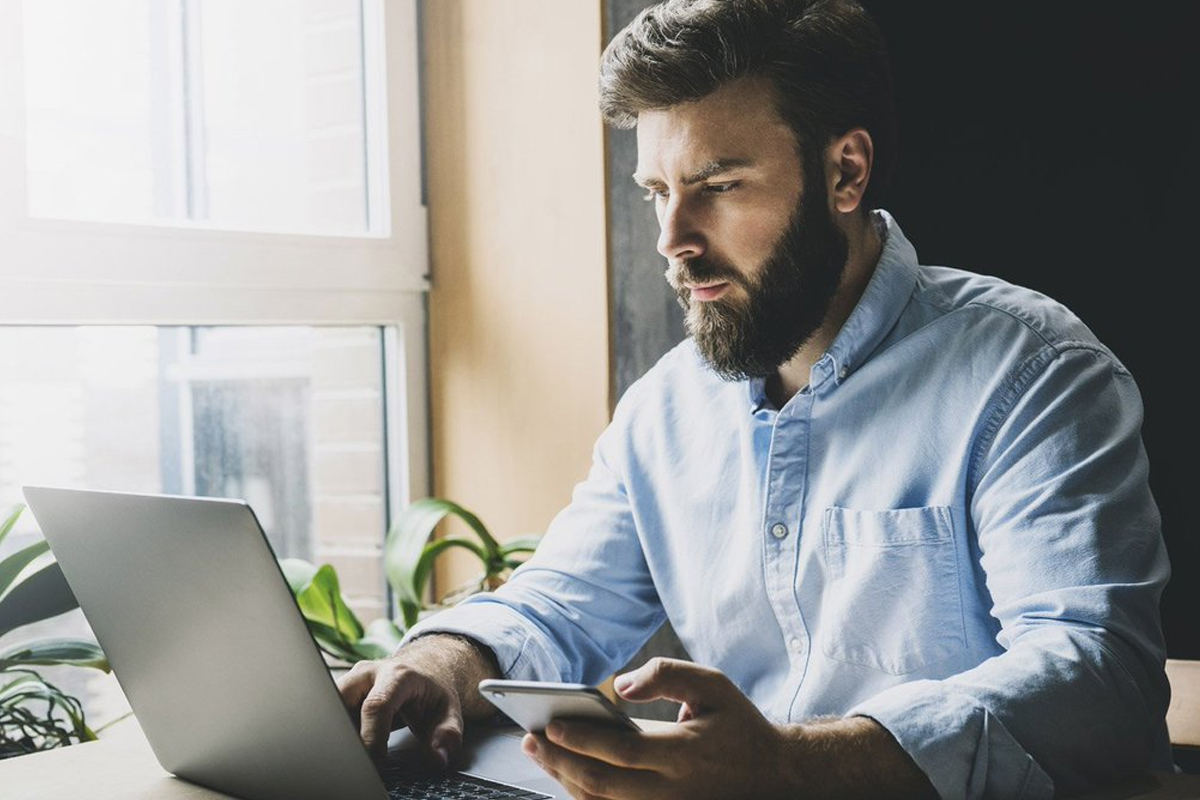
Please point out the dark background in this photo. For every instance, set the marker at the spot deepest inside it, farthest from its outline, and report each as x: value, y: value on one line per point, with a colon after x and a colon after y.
x: 1053, y: 144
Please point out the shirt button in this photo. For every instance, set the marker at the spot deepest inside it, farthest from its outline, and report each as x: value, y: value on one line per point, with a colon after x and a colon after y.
x: 796, y: 645
x: 779, y: 530
x: 843, y: 373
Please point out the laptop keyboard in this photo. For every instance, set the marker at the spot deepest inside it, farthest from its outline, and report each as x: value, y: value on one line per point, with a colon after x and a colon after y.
x: 460, y: 787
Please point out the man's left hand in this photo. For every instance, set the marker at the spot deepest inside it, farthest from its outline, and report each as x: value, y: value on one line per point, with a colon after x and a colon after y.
x: 722, y: 746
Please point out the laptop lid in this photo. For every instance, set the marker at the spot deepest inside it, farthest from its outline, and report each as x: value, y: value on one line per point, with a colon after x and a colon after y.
x: 188, y: 602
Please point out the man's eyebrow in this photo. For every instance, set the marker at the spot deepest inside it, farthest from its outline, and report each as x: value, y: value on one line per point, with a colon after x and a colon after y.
x: 715, y: 167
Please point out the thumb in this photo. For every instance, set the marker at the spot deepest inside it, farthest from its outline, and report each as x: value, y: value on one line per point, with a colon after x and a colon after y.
x: 446, y: 738
x: 699, y: 688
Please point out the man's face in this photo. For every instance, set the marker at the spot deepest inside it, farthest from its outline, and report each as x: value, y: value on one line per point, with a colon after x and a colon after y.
x: 753, y: 253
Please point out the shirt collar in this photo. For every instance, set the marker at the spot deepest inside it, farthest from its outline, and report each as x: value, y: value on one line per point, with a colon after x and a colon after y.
x: 881, y: 304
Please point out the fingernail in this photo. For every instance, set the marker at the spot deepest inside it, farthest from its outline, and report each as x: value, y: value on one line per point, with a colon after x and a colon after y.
x: 444, y: 755
x: 530, y: 746
x: 623, y: 682
x: 554, y: 730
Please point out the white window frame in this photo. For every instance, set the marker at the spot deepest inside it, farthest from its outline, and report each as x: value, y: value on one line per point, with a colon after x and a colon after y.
x: 64, y: 272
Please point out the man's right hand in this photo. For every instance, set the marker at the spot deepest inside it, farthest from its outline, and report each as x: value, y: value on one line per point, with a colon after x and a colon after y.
x: 430, y: 685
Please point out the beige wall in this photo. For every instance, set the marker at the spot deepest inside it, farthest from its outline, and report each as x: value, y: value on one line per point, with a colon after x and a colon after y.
x: 519, y: 358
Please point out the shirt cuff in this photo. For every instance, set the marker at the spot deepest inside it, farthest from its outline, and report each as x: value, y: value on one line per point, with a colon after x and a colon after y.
x: 962, y: 748
x: 522, y: 651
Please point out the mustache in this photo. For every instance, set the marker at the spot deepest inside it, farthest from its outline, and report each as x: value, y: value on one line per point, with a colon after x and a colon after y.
x: 700, y: 270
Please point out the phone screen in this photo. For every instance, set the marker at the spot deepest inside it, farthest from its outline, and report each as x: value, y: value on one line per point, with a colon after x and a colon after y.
x: 532, y: 704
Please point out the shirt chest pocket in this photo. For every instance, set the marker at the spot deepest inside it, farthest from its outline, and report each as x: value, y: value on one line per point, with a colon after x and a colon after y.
x: 892, y: 600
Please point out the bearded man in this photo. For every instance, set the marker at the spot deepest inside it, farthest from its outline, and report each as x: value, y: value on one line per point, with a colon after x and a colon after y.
x: 898, y: 514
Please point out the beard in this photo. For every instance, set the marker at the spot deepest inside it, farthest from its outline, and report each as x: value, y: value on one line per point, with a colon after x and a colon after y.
x: 752, y: 335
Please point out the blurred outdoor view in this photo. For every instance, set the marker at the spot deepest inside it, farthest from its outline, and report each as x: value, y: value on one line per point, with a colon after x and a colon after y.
x: 288, y: 418
x: 246, y: 116
x: 202, y: 114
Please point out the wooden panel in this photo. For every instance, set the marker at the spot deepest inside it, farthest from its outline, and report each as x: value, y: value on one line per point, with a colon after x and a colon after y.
x: 647, y: 321
x: 1183, y: 716
x: 518, y: 311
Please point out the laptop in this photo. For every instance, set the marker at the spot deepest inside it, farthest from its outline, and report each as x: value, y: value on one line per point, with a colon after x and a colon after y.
x: 186, y: 598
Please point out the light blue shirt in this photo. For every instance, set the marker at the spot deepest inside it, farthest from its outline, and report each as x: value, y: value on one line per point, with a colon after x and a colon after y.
x: 949, y: 530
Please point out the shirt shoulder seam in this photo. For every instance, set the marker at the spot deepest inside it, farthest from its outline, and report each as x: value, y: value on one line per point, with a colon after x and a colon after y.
x: 1001, y: 404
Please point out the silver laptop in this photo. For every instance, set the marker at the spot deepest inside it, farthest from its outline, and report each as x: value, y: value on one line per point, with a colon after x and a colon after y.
x: 186, y: 598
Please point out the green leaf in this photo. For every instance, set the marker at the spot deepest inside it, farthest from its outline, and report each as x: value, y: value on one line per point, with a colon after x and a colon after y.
x: 333, y: 643
x: 321, y: 602
x: 381, y: 640
x: 54, y: 652
x: 318, y: 594
x: 23, y: 677
x: 11, y: 567
x: 10, y: 521
x: 384, y: 634
x: 298, y: 572
x: 47, y: 727
x: 367, y: 650
x: 410, y: 594
x: 527, y: 544
x: 42, y: 595
x: 404, y: 552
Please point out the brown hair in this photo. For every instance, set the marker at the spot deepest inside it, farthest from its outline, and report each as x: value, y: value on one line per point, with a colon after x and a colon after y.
x: 826, y: 59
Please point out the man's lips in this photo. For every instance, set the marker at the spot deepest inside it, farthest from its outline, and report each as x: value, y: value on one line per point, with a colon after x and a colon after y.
x: 709, y: 291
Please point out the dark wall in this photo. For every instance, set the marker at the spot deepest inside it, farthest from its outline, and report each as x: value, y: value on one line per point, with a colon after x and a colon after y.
x: 1057, y: 147
x: 1052, y: 144
x: 646, y: 319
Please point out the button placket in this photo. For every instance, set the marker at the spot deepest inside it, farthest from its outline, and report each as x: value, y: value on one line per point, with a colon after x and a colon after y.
x: 786, y: 470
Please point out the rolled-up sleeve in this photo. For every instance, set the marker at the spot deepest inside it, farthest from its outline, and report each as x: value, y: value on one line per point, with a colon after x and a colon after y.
x: 1070, y: 545
x: 584, y: 603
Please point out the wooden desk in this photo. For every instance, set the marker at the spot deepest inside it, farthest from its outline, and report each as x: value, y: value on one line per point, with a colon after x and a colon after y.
x: 122, y: 767
x: 119, y: 767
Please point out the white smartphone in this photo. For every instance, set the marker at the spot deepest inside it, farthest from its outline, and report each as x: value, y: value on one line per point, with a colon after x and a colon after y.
x: 532, y: 704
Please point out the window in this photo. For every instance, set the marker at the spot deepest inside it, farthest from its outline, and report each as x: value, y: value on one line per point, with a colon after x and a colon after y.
x: 213, y: 265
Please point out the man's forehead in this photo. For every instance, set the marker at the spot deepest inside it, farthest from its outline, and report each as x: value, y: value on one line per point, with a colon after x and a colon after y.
x: 737, y: 125
x: 691, y: 153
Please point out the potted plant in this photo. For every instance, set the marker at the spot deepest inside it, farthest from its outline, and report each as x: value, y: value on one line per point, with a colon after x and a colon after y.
x: 409, y: 554
x: 34, y: 713
x: 335, y: 627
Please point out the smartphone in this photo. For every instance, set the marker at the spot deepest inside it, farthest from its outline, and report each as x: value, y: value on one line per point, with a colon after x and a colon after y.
x: 532, y: 704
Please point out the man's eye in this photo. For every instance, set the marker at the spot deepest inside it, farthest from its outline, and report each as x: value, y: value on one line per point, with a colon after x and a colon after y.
x: 654, y: 194
x: 721, y: 188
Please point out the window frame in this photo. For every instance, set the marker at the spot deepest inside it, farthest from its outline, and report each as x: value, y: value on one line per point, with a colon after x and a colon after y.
x: 67, y: 272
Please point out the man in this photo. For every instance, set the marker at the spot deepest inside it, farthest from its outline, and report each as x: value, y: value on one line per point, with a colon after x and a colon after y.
x: 898, y: 514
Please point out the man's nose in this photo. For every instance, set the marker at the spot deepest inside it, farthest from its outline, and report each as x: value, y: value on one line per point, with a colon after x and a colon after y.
x: 679, y: 234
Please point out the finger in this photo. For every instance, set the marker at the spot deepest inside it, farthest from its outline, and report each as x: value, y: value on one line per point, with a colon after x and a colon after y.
x: 630, y: 749
x: 354, y: 685
x: 591, y: 777
x: 433, y: 714
x: 401, y: 693
x: 446, y: 737
x: 701, y: 688
x: 379, y: 709
x: 535, y: 746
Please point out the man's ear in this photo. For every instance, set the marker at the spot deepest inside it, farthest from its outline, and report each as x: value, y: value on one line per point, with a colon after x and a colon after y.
x: 848, y: 166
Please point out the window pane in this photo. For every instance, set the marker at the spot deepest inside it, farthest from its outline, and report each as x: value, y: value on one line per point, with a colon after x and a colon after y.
x: 230, y: 114
x: 290, y: 419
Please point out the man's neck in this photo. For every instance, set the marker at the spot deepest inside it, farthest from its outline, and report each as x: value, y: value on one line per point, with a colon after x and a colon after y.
x: 865, y: 247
